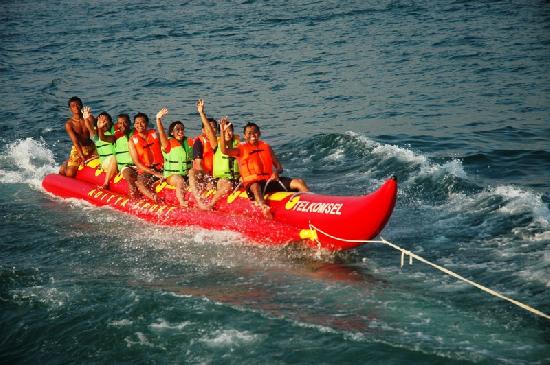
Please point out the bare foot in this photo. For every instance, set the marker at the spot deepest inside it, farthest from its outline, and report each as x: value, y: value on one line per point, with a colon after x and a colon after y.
x: 204, y: 206
x: 266, y: 211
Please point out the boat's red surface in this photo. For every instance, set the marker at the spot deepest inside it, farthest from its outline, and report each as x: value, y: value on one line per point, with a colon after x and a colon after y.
x: 347, y: 217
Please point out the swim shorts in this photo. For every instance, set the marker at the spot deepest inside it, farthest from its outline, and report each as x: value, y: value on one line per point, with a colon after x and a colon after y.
x: 75, y: 160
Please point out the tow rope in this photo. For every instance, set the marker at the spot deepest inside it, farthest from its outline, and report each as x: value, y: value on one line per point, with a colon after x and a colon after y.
x: 411, y: 255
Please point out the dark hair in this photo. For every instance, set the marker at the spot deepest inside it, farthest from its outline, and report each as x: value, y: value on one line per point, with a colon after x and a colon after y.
x: 142, y: 115
x: 75, y: 98
x: 173, y: 124
x: 212, y: 120
x: 125, y: 116
x: 107, y: 115
x: 250, y: 124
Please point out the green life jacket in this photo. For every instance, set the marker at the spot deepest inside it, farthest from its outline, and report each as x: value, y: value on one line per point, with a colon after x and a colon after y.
x: 179, y: 159
x: 224, y: 166
x: 104, y: 149
x: 122, y: 154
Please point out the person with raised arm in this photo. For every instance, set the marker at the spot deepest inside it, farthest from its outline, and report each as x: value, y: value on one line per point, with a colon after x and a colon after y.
x: 225, y: 170
x: 256, y: 165
x: 203, y: 148
x: 83, y: 148
x: 119, y: 140
x: 104, y: 149
x: 200, y: 176
x: 178, y: 157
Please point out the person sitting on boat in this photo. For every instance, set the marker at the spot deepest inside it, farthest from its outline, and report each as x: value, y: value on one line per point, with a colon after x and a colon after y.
x: 105, y: 150
x: 225, y: 169
x: 178, y: 157
x: 83, y: 148
x: 203, y: 147
x: 256, y: 162
x: 119, y: 140
x: 144, y: 147
x: 200, y: 177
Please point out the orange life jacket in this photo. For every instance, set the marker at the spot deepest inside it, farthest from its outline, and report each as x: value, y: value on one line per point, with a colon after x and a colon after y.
x: 207, y: 162
x: 255, y: 162
x: 148, y: 150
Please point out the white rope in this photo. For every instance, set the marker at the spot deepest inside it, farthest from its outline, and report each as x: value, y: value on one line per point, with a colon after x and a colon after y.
x: 440, y: 268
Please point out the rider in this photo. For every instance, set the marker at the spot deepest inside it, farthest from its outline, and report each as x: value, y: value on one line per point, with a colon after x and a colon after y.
x: 124, y: 161
x: 256, y: 162
x: 178, y: 156
x: 104, y: 149
x: 225, y: 170
x: 144, y: 147
x: 83, y: 148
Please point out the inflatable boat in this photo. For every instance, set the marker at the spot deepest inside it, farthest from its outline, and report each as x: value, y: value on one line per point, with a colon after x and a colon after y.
x: 314, y: 219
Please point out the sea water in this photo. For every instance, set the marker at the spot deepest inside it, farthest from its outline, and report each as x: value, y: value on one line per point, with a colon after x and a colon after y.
x: 452, y: 97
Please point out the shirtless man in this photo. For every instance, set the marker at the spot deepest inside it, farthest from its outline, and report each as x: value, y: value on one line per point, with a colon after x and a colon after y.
x: 83, y: 148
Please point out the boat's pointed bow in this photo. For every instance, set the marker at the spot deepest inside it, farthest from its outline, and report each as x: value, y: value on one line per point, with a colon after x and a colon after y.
x: 362, y: 219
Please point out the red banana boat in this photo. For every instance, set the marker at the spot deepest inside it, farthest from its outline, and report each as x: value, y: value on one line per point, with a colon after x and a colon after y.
x: 314, y: 219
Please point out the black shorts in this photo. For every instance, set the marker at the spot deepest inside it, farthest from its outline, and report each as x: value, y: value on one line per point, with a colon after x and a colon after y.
x: 274, y: 186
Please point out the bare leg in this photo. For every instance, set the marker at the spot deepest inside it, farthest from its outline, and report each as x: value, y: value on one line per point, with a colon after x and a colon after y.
x: 144, y: 184
x: 129, y: 174
x: 71, y: 171
x: 299, y: 184
x: 63, y: 169
x: 194, y: 177
x: 259, y: 197
x: 181, y: 186
x: 224, y: 187
x: 110, y: 172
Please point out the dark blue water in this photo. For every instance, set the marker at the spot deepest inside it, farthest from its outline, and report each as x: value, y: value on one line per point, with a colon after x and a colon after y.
x: 453, y: 97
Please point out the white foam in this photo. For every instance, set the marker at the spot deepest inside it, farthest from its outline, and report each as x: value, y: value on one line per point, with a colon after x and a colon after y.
x: 53, y: 297
x: 224, y: 338
x: 165, y: 325
x: 524, y: 243
x: 453, y: 167
x: 26, y: 161
x: 426, y: 167
x: 337, y: 155
x: 544, y: 236
x: 141, y: 340
x: 514, y: 201
x: 521, y: 201
x: 10, y: 177
x: 121, y: 323
x: 386, y: 151
x: 369, y: 143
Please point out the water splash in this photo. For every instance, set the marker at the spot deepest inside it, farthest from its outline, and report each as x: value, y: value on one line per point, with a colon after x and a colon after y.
x: 26, y: 161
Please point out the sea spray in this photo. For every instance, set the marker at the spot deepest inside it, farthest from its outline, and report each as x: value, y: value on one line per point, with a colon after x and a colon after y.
x: 26, y: 161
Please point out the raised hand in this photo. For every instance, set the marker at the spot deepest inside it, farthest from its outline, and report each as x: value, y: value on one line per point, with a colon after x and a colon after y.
x: 162, y: 113
x: 86, y: 112
x: 101, y: 121
x: 200, y: 106
x: 224, y: 123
